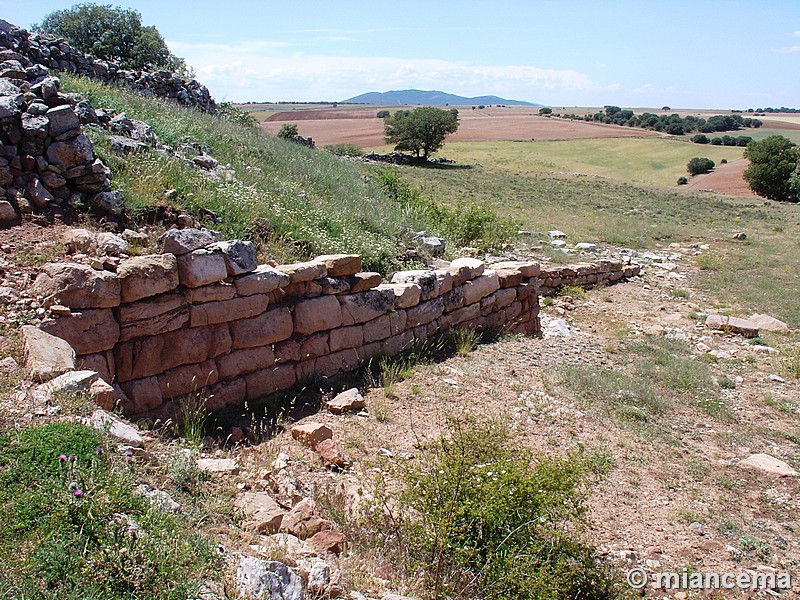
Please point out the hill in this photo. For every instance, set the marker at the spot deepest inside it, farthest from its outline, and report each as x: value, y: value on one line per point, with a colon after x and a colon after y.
x: 431, y: 98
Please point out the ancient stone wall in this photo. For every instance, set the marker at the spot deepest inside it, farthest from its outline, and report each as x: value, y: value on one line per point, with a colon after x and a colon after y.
x: 585, y: 275
x: 32, y: 54
x: 204, y: 317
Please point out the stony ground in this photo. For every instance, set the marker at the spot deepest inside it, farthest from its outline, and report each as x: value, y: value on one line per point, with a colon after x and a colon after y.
x: 675, y: 495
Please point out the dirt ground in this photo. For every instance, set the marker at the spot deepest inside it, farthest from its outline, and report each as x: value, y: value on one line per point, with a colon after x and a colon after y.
x: 361, y: 126
x: 724, y: 179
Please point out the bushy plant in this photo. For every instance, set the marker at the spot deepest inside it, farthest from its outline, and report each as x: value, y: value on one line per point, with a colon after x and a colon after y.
x: 345, y: 149
x: 288, y: 131
x: 228, y: 111
x: 682, y: 180
x: 697, y: 166
x: 484, y: 519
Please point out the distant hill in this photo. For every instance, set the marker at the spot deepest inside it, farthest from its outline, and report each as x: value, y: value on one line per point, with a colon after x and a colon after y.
x: 430, y: 98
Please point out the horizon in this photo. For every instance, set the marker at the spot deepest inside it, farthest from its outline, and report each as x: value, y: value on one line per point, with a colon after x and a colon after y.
x: 711, y: 54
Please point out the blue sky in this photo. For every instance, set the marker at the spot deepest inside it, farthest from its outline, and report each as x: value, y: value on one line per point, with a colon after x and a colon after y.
x: 700, y: 54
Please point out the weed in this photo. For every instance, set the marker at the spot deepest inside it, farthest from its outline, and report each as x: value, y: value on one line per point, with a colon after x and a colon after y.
x: 548, y: 301
x: 726, y: 383
x: 707, y: 262
x: 751, y: 546
x: 687, y: 516
x: 345, y: 149
x: 791, y: 363
x: 573, y: 291
x: 380, y: 411
x: 679, y: 293
x: 696, y: 468
x: 461, y: 340
x: 193, y: 418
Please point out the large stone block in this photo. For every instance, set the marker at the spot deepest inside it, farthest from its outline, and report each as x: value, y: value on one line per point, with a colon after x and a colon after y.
x: 183, y: 241
x: 102, y: 363
x: 263, y: 280
x: 188, y: 379
x: 226, y: 394
x: 304, y: 271
x: 363, y: 307
x: 346, y: 337
x: 332, y: 285
x: 268, y: 381
x: 406, y: 295
x: 155, y: 355
x: 361, y: 282
x: 268, y: 328
x: 302, y: 348
x: 77, y: 286
x: 201, y: 267
x: 88, y: 331
x: 428, y: 281
x: 317, y: 314
x: 240, y: 257
x: 241, y: 362
x: 340, y: 265
x: 227, y: 310
x: 378, y: 329
x: 142, y: 395
x: 338, y: 362
x: 480, y: 287
x: 46, y: 356
x: 525, y: 268
x: 65, y: 155
x: 216, y: 292
x: 425, y: 312
x: 153, y: 316
x: 465, y: 269
x: 145, y: 276
x: 397, y: 343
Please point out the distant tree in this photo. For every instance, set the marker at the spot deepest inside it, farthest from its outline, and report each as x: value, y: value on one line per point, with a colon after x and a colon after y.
x: 421, y: 131
x: 111, y: 33
x: 665, y: 108
x: 773, y: 168
x: 700, y: 139
x: 545, y: 110
x: 674, y: 129
x: 288, y: 131
x: 382, y: 114
x: 743, y: 140
x: 682, y: 181
x: 481, y: 106
x: 697, y: 166
x: 716, y: 141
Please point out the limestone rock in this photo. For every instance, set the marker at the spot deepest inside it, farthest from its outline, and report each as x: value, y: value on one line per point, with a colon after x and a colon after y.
x: 332, y: 454
x: 264, y: 515
x: 117, y: 428
x: 88, y: 331
x: 524, y: 268
x: 341, y: 265
x: 111, y: 244
x: 104, y: 394
x: 465, y: 269
x: 304, y: 271
x: 263, y: 280
x: 77, y: 286
x: 311, y: 433
x: 361, y: 282
x: 46, y: 356
x: 768, y: 323
x: 70, y: 382
x: 328, y: 541
x: 769, y: 465
x: 350, y: 400
x: 267, y: 580
x: 406, y: 295
x: 317, y: 314
x: 303, y: 522
x: 732, y: 324
x: 80, y: 241
x: 145, y: 276
x: 218, y: 465
x: 183, y: 241
x: 240, y: 257
x: 201, y: 267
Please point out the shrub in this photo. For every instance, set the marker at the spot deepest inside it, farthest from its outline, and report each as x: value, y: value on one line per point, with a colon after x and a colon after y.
x: 345, y: 149
x: 288, y: 131
x: 485, y: 519
x: 724, y: 161
x: 232, y: 113
x: 682, y: 181
x: 382, y: 114
x: 717, y: 141
x: 700, y: 139
x: 773, y: 164
x: 697, y: 166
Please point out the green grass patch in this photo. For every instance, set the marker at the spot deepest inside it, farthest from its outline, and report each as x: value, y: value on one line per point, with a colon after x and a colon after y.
x: 73, y: 528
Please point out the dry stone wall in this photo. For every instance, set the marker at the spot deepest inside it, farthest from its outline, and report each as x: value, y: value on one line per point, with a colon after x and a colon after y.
x: 585, y: 275
x: 204, y: 317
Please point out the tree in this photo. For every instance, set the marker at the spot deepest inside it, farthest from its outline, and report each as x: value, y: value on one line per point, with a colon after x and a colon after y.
x: 111, y: 33
x: 288, y: 131
x: 421, y: 131
x: 700, y: 139
x: 773, y: 167
x: 546, y: 110
x: 697, y: 166
x: 382, y: 114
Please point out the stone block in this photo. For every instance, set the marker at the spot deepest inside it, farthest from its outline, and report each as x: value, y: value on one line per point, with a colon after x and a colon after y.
x: 240, y: 257
x: 406, y: 295
x: 267, y: 328
x: 142, y: 395
x: 338, y: 362
x: 377, y: 329
x: 187, y: 379
x: 333, y: 285
x: 480, y: 287
x: 317, y: 314
x: 349, y: 400
x: 428, y: 281
x: 242, y: 362
x: 361, y: 282
x: 508, y: 278
x: 226, y: 394
x: 201, y: 267
x: 363, y: 307
x: 263, y: 280
x: 268, y: 381
x: 465, y: 269
x: 454, y: 299
x: 145, y: 276
x: 77, y: 286
x: 425, y: 312
x: 340, y: 265
x: 733, y: 325
x: 88, y: 331
x: 184, y: 241
x: 102, y: 363
x: 397, y: 343
x: 310, y: 434
x: 444, y: 279
x: 346, y: 337
x: 527, y: 269
x: 210, y: 313
x: 216, y: 292
x: 304, y: 271
x: 46, y: 356
x: 152, y: 316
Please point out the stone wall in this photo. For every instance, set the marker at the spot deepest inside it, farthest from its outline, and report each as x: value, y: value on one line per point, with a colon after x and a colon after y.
x: 33, y: 54
x: 203, y: 316
x: 585, y: 275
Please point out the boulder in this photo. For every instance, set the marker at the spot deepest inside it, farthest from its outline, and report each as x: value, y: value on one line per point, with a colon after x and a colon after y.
x: 118, y: 429
x: 350, y: 400
x: 111, y: 203
x: 183, y: 241
x: 341, y: 265
x: 769, y: 465
x: 332, y: 454
x: 240, y: 257
x: 111, y: 244
x: 263, y: 514
x: 88, y: 331
x: 71, y: 153
x: 732, y: 325
x: 768, y: 323
x: 7, y: 212
x: 46, y: 356
x: 80, y: 241
x: 77, y: 286
x: 145, y: 276
x: 267, y: 580
x: 311, y: 433
x: 62, y: 120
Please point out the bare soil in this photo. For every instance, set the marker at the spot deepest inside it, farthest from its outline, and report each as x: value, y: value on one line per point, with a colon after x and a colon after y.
x: 724, y: 179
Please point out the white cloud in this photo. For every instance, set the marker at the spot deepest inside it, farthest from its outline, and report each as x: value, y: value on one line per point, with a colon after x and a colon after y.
x: 796, y: 34
x: 269, y: 71
x: 788, y: 50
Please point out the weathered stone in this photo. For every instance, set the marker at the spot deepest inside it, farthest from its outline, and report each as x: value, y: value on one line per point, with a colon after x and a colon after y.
x: 363, y: 307
x: 242, y: 362
x: 216, y: 292
x: 481, y: 286
x: 80, y: 240
x: 304, y: 271
x: 346, y: 337
x: 8, y: 295
x: 46, y: 356
x: 142, y: 395
x: 262, y: 280
x: 311, y: 433
x: 71, y: 153
x: 218, y: 465
x: 317, y: 314
x: 434, y: 245
x: 201, y: 267
x: 88, y: 331
x: 425, y: 312
x: 268, y: 381
x: 152, y: 316
x: 768, y: 323
x: 524, y: 268
x: 337, y: 362
x: 240, y: 257
x: 350, y: 400
x: 145, y: 276
x: 303, y: 522
x: 38, y: 194
x: 7, y: 212
x: 769, y: 465
x: 116, y: 428
x: 77, y: 286
x: 341, y: 265
x: 183, y: 241
x: 270, y: 580
x: 361, y: 282
x: 227, y: 394
x: 263, y: 514
x: 328, y: 541
x: 378, y: 329
x: 102, y: 362
x: 228, y: 310
x: 154, y: 355
x: 62, y: 119
x: 332, y: 454
x: 406, y: 295
x: 268, y: 328
x: 509, y: 278
x: 732, y: 325
x: 187, y: 379
x: 332, y: 285
x: 69, y: 382
x: 103, y: 394
x: 464, y: 269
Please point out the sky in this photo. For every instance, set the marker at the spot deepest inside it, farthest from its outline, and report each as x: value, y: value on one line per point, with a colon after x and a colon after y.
x: 699, y: 54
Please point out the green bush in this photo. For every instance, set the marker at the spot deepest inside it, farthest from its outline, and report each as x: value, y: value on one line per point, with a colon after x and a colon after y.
x: 486, y: 519
x: 232, y: 113
x: 697, y: 166
x: 345, y: 149
x: 682, y: 181
x: 288, y: 131
x: 72, y: 526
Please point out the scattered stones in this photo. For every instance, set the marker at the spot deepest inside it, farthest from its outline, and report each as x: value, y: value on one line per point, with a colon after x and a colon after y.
x: 46, y: 356
x: 556, y: 234
x: 311, y: 433
x: 270, y: 580
x: 350, y: 400
x: 733, y: 325
x: 768, y: 464
x: 116, y: 428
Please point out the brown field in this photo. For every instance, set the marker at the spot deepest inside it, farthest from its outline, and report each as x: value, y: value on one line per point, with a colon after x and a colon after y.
x: 725, y: 179
x: 360, y: 126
